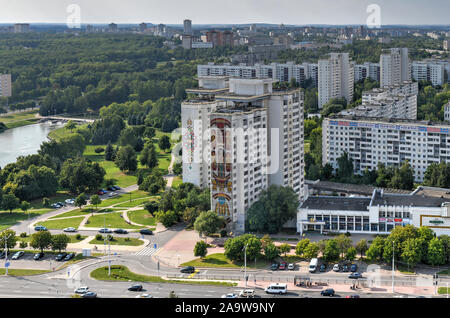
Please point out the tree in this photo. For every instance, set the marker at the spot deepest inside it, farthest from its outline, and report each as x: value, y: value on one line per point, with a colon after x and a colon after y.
x: 345, y: 169
x: 10, y: 202
x: 59, y: 242
x: 71, y: 125
x: 190, y: 215
x: 275, y: 206
x: 25, y: 206
x: 301, y: 246
x: 148, y: 156
x: 331, y: 252
x: 8, y: 236
x: 208, y: 223
x: 403, y: 177
x: 81, y: 175
x: 166, y: 218
x: 285, y: 248
x: 153, y: 183
x: 80, y: 200
x: 200, y: 249
x: 109, y: 152
x: 343, y: 243
x: 361, y: 247
x: 41, y: 240
x: 234, y: 247
x: 151, y: 207
x: 311, y: 251
x: 436, y: 252
x: 265, y: 240
x: 271, y: 251
x: 164, y: 143
x: 350, y: 254
x: 95, y: 200
x: 126, y: 159
x: 412, y: 253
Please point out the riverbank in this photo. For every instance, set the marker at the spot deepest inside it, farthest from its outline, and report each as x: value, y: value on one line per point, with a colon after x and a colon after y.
x: 19, y: 119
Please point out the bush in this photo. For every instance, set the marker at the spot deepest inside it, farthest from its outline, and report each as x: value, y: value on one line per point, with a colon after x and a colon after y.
x: 99, y: 237
x: 127, y: 239
x: 223, y: 233
x: 23, y: 244
x: 99, y: 150
x: 78, y: 236
x: 110, y: 237
x: 46, y: 202
x: 23, y: 234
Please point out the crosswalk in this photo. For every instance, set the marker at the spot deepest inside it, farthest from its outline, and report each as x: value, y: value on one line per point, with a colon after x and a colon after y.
x: 149, y: 250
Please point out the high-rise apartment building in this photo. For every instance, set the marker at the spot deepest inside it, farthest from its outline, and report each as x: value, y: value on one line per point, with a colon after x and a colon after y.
x: 336, y: 78
x: 367, y: 70
x: 394, y: 66
x: 219, y: 38
x: 5, y: 85
x: 21, y: 27
x: 428, y: 71
x: 187, y: 27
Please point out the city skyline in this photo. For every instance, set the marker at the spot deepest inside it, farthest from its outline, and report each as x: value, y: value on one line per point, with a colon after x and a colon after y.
x: 400, y: 12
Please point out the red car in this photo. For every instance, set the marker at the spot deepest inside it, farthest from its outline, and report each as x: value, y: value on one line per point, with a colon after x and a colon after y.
x: 283, y: 265
x: 100, y: 192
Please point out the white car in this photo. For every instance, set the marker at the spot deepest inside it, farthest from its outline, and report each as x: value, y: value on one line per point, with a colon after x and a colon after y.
x: 144, y: 296
x: 291, y: 267
x: 247, y: 293
x: 336, y: 268
x: 70, y: 229
x: 70, y: 201
x: 112, y: 194
x: 18, y: 255
x: 230, y: 296
x: 81, y: 290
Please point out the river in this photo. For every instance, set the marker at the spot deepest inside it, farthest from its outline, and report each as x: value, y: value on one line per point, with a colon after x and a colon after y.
x: 23, y: 141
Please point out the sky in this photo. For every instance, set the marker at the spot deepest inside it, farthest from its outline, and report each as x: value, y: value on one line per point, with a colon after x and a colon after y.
x: 298, y: 12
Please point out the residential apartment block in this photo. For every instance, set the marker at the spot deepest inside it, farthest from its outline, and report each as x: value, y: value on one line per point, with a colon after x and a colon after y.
x: 428, y: 71
x: 336, y: 78
x: 367, y: 70
x: 394, y: 66
x: 5, y: 85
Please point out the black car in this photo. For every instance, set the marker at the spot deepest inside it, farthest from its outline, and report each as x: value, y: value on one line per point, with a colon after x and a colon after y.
x: 38, y: 256
x: 111, y: 188
x: 355, y: 275
x: 274, y: 266
x: 60, y: 256
x: 345, y: 268
x: 120, y: 231
x: 3, y: 255
x: 89, y: 295
x: 323, y: 267
x: 116, y: 187
x: 327, y: 292
x: 353, y: 268
x: 188, y: 270
x: 135, y: 288
x: 69, y: 256
x: 146, y: 231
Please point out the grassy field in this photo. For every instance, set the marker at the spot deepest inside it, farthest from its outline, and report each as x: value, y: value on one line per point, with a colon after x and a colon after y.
x: 443, y: 290
x: 122, y: 273
x: 137, y: 194
x: 62, y: 223
x: 177, y: 181
x: 135, y: 203
x: 23, y: 272
x: 142, y: 217
x: 83, y: 212
x: 120, y: 241
x: 219, y: 260
x: 19, y: 119
x: 9, y: 219
x: 113, y: 220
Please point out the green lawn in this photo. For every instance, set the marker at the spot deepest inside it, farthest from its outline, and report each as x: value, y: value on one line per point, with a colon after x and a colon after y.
x: 444, y: 290
x: 23, y: 272
x: 122, y: 273
x: 113, y: 220
x: 219, y: 260
x: 142, y: 217
x: 62, y: 223
x: 83, y: 212
x: 122, y: 198
x: 135, y: 203
x: 19, y: 119
x: 446, y: 272
x: 63, y: 132
x: 120, y: 241
x: 177, y: 181
x: 9, y: 219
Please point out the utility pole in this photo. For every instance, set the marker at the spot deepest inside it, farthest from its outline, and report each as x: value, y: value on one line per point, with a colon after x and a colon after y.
x: 245, y: 264
x: 6, y: 253
x: 393, y: 270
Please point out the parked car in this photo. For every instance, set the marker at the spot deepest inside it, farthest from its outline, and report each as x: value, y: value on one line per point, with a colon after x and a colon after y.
x: 111, y: 188
x: 352, y: 296
x: 230, y: 296
x: 105, y: 230
x: 353, y: 268
x: 355, y: 275
x: 38, y: 256
x: 274, y: 266
x: 70, y: 229
x: 18, y: 255
x: 146, y: 231
x: 327, y: 292
x: 144, y: 296
x: 104, y: 191
x: 56, y: 206
x: 89, y: 294
x: 81, y: 290
x: 3, y: 254
x: 136, y: 287
x: 61, y: 204
x: 188, y: 270
x: 60, y: 257
x: 336, y: 268
x: 69, y: 256
x: 112, y: 194
x: 323, y: 268
x: 70, y: 201
x: 100, y: 192
x: 276, y: 289
x: 117, y: 188
x: 40, y: 228
x: 291, y: 266
x: 120, y: 231
x: 247, y: 293
x: 283, y: 266
x: 345, y: 268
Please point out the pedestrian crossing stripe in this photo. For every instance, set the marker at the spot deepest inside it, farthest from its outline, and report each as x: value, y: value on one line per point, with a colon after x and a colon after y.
x: 147, y: 251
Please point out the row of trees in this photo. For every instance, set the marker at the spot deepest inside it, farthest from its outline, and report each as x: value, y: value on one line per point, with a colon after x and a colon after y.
x: 40, y: 240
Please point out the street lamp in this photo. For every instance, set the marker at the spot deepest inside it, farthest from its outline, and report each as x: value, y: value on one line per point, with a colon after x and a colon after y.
x: 245, y: 264
x: 393, y: 271
x: 6, y: 253
x: 107, y: 238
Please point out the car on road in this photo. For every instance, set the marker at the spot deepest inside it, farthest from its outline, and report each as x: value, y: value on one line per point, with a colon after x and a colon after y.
x: 89, y: 294
x: 40, y: 228
x: 283, y: 266
x: 323, y: 267
x: 56, y: 206
x: 276, y: 289
x: 81, y: 290
x: 336, y: 268
x: 188, y: 270
x: 116, y: 187
x: 105, y: 230
x: 69, y: 256
x: 353, y: 268
x: 144, y: 296
x: 18, y: 255
x: 70, y: 201
x: 136, y: 287
x: 61, y: 256
x: 247, y: 293
x: 274, y: 266
x: 291, y: 266
x: 100, y: 192
x: 327, y: 292
x: 111, y: 188
x: 352, y: 296
x: 146, y: 231
x: 112, y: 194
x: 70, y: 229
x: 345, y: 268
x: 232, y: 295
x: 120, y: 231
x: 355, y: 275
x: 38, y: 256
x: 104, y: 191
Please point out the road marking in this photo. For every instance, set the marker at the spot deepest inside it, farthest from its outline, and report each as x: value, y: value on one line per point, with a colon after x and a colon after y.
x: 193, y: 274
x: 147, y: 251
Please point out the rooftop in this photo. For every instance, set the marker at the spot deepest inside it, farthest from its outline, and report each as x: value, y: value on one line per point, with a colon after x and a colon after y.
x: 336, y: 203
x: 407, y: 200
x: 359, y: 189
x: 388, y: 120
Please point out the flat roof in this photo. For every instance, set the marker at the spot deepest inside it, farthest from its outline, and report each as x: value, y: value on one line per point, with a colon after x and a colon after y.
x: 336, y: 203
x: 206, y: 90
x: 407, y: 200
x: 242, y: 98
x: 361, y: 189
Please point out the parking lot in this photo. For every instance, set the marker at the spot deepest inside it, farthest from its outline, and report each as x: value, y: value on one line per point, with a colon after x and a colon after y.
x: 47, y: 262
